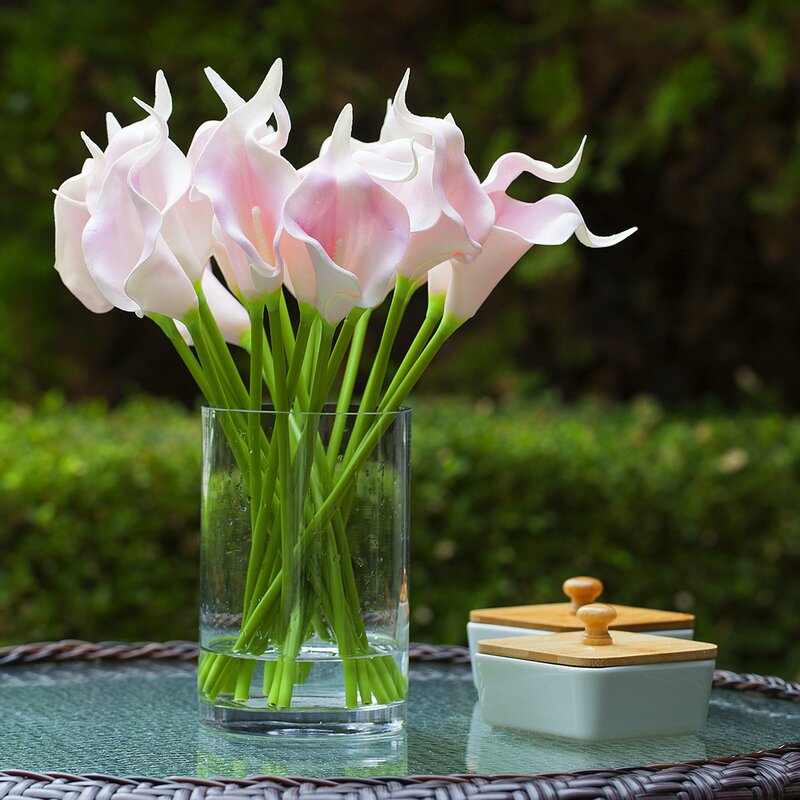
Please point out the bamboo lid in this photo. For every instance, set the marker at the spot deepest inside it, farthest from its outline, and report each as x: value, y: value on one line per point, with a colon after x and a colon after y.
x: 596, y: 647
x: 558, y: 617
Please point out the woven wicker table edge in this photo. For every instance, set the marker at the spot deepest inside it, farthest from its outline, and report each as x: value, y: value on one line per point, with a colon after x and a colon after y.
x: 773, y: 773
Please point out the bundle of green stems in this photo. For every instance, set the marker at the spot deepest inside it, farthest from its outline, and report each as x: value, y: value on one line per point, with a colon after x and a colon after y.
x: 300, y: 487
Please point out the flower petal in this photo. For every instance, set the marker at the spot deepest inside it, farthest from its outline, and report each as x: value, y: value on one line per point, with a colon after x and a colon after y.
x: 159, y: 285
x: 551, y: 220
x: 509, y: 167
x: 243, y: 280
x: 114, y: 235
x: 439, y: 279
x: 354, y: 231
x: 377, y: 161
x: 470, y: 284
x: 71, y: 216
x: 231, y: 316
x: 315, y: 279
x: 112, y: 126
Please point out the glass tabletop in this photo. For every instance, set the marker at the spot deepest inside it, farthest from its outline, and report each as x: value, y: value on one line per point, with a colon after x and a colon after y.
x: 140, y: 719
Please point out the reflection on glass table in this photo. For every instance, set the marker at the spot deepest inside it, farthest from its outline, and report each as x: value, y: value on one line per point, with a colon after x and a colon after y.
x: 140, y: 718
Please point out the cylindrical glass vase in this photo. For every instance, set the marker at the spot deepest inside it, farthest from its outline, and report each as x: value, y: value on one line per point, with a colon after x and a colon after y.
x: 304, y: 572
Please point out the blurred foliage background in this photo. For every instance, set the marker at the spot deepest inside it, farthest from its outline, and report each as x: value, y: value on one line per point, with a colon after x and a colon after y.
x: 693, y: 115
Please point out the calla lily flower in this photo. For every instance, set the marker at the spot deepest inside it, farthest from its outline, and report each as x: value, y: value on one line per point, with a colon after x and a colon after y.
x: 127, y: 224
x: 518, y: 226
x: 241, y: 171
x: 76, y: 198
x: 450, y: 214
x: 343, y: 234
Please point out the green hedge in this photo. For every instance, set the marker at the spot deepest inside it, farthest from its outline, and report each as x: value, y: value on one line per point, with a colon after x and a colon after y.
x: 99, y: 519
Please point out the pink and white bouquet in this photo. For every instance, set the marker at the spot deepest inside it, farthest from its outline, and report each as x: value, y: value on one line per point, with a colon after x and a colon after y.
x: 209, y: 242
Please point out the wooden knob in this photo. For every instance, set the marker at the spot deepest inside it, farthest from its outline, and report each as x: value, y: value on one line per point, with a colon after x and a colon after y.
x: 581, y: 590
x: 596, y: 618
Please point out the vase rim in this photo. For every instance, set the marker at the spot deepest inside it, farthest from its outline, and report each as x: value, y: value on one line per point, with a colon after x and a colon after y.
x: 328, y: 410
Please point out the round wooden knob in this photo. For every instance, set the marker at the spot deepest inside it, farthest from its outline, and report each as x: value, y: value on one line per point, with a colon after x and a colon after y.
x: 596, y: 618
x: 581, y: 590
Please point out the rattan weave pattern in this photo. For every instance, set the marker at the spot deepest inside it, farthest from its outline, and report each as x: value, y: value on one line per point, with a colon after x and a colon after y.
x: 766, y: 774
x: 79, y: 650
x: 769, y: 774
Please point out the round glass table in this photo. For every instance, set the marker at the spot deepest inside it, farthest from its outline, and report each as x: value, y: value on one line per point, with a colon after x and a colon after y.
x: 139, y: 718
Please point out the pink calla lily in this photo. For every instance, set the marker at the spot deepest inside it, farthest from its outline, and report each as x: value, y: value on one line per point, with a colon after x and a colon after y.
x: 343, y: 234
x: 128, y: 235
x: 518, y: 226
x: 147, y: 242
x: 76, y: 198
x: 241, y: 171
x: 451, y: 216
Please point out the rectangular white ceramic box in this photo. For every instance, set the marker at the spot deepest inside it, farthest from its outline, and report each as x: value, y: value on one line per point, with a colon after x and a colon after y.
x: 594, y: 703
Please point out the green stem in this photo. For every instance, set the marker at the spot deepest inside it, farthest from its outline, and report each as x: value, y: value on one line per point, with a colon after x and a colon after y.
x: 286, y: 327
x: 284, y: 456
x: 311, y: 357
x: 173, y: 334
x: 369, y: 401
x: 447, y: 327
x: 432, y: 319
x: 254, y: 421
x: 346, y: 390
x: 307, y: 316
x: 219, y: 349
x: 402, y: 294
x: 340, y: 348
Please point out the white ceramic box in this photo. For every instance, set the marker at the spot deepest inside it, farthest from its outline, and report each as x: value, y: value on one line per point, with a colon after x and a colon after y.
x: 592, y: 703
x: 594, y: 685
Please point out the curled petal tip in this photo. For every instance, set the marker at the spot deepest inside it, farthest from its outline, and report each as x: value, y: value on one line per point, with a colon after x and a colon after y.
x: 275, y: 74
x: 229, y: 96
x: 212, y: 75
x: 400, y: 94
x: 163, y: 101
x: 586, y: 237
x: 153, y: 112
x: 148, y: 108
x: 95, y: 151
x: 342, y: 131
x: 112, y: 126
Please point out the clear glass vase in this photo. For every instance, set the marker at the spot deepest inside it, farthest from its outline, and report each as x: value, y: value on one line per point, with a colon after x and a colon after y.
x: 304, y: 572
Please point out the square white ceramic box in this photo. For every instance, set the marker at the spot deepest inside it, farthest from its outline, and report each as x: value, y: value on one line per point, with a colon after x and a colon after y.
x: 548, y: 618
x: 568, y: 685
